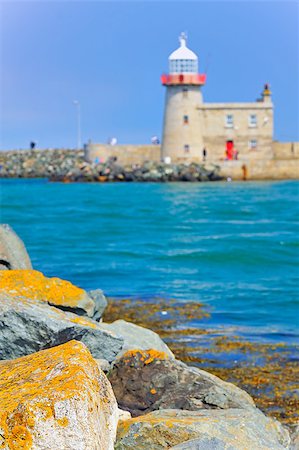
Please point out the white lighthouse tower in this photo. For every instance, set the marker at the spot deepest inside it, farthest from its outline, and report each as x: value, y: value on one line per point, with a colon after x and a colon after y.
x: 182, y: 131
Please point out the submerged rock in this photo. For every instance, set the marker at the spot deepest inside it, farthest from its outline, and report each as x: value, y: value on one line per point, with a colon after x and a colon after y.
x: 56, y: 399
x: 27, y: 326
x: 232, y: 429
x: 54, y: 291
x: 136, y: 337
x: 145, y: 381
x: 13, y: 254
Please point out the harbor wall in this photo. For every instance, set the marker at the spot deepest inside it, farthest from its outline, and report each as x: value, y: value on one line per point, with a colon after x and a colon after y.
x: 44, y: 163
x: 125, y: 154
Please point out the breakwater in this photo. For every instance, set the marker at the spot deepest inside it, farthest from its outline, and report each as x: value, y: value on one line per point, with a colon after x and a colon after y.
x: 70, y: 166
x: 141, y: 163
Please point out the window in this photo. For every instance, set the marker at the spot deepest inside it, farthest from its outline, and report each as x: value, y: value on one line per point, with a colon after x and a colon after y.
x: 183, y: 66
x: 229, y: 120
x: 253, y: 144
x: 252, y: 120
x: 186, y: 148
x: 186, y: 120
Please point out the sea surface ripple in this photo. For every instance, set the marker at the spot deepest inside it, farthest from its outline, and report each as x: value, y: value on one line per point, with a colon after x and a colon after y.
x: 231, y: 246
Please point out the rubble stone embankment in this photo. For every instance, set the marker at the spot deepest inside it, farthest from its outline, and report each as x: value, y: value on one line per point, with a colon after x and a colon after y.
x: 70, y: 166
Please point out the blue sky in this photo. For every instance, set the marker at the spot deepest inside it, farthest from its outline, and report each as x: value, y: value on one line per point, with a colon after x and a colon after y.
x: 110, y: 55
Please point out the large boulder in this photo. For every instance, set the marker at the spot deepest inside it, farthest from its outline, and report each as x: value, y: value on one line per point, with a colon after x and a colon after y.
x: 144, y: 381
x: 231, y: 429
x: 54, y: 291
x: 136, y: 337
x: 27, y: 326
x: 13, y: 254
x: 56, y: 399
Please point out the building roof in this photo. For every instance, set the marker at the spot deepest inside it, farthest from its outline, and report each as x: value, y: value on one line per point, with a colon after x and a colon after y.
x: 183, y: 52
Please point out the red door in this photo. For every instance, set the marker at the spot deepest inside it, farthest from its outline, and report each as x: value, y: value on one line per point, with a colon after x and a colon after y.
x: 229, y: 149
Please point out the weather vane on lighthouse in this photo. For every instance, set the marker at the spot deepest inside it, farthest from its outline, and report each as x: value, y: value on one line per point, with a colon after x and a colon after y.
x: 183, y: 39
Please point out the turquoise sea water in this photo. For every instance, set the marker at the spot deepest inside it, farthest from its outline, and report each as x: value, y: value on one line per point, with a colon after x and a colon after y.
x: 232, y: 246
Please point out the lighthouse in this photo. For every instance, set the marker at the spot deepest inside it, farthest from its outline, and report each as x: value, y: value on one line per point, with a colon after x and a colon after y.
x: 182, y: 139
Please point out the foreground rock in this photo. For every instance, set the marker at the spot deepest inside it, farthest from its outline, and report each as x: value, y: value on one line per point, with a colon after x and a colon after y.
x: 27, y: 326
x: 145, y: 381
x: 294, y: 431
x: 13, y: 254
x: 232, y: 429
x: 100, y: 303
x: 136, y: 337
x: 54, y: 291
x: 56, y: 399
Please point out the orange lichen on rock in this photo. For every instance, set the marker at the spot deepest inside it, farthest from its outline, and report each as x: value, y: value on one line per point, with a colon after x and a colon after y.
x: 233, y: 428
x: 147, y: 356
x: 34, y: 285
x: 33, y: 387
x: 84, y: 322
x: 125, y: 425
x: 20, y: 438
x: 63, y: 422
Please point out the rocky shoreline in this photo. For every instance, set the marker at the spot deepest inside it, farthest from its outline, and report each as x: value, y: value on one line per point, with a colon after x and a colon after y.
x: 268, y: 371
x: 70, y: 166
x: 69, y: 380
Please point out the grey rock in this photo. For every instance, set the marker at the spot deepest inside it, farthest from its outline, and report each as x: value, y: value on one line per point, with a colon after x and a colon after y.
x: 28, y: 326
x: 231, y: 429
x: 100, y: 303
x: 136, y: 337
x: 13, y: 254
x: 103, y: 364
x: 204, y: 443
x: 144, y: 381
x: 294, y: 431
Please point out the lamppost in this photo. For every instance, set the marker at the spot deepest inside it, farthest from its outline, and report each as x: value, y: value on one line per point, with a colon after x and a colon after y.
x: 77, y: 104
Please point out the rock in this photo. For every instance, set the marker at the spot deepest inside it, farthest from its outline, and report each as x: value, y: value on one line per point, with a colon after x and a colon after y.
x: 231, y: 429
x: 27, y: 326
x: 123, y: 415
x: 294, y: 431
x: 56, y: 399
x: 100, y: 303
x: 13, y: 254
x: 204, y: 443
x: 103, y: 364
x: 56, y: 292
x: 145, y: 381
x: 136, y: 337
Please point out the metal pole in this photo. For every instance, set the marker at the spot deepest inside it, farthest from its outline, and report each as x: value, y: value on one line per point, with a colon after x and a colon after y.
x: 77, y: 104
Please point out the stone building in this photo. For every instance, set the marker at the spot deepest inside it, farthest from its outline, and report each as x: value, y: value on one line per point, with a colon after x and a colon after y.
x: 232, y: 135
x: 225, y: 130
